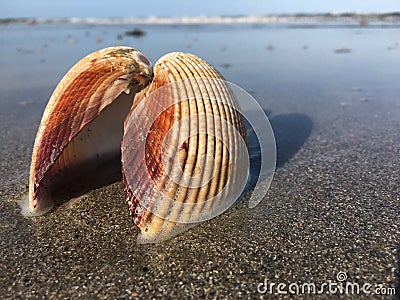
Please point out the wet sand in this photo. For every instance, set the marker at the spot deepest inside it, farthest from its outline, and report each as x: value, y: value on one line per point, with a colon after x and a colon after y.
x: 333, y: 205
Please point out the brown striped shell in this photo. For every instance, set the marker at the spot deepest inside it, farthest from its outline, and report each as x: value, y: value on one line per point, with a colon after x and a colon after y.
x: 183, y: 150
x: 72, y: 137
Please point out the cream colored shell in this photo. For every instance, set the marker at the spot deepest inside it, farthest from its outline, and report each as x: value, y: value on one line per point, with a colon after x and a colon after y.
x: 183, y: 138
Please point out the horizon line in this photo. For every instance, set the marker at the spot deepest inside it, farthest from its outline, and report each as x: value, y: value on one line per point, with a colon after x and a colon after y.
x: 390, y: 16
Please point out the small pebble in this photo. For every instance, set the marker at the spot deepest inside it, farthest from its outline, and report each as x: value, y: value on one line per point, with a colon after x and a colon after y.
x: 343, y: 50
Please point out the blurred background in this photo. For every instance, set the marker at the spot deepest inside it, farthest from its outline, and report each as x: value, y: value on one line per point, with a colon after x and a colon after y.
x: 126, y: 8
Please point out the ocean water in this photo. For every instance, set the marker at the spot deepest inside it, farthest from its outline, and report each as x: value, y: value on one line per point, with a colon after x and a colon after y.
x: 321, y: 72
x: 250, y: 55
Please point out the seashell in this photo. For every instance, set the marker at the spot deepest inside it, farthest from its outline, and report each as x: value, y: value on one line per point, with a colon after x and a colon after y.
x: 81, y: 128
x: 183, y: 152
x: 184, y: 159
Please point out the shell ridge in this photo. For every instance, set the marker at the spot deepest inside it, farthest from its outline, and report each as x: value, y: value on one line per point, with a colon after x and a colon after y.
x: 218, y: 85
x: 191, y: 149
x: 202, y: 93
x: 179, y: 161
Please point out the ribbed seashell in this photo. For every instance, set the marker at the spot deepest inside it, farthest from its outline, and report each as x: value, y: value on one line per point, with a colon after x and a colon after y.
x: 183, y: 151
x: 82, y: 126
x: 184, y: 157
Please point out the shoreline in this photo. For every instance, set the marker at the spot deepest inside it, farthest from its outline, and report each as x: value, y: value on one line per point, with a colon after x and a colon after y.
x: 362, y: 19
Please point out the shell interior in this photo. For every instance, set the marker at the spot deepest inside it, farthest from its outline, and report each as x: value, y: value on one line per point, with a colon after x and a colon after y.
x: 77, y: 146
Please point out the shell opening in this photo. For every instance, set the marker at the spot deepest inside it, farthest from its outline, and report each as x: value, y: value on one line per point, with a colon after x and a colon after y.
x: 91, y: 159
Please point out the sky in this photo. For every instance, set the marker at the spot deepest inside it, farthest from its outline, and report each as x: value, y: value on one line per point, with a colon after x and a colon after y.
x: 165, y: 8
